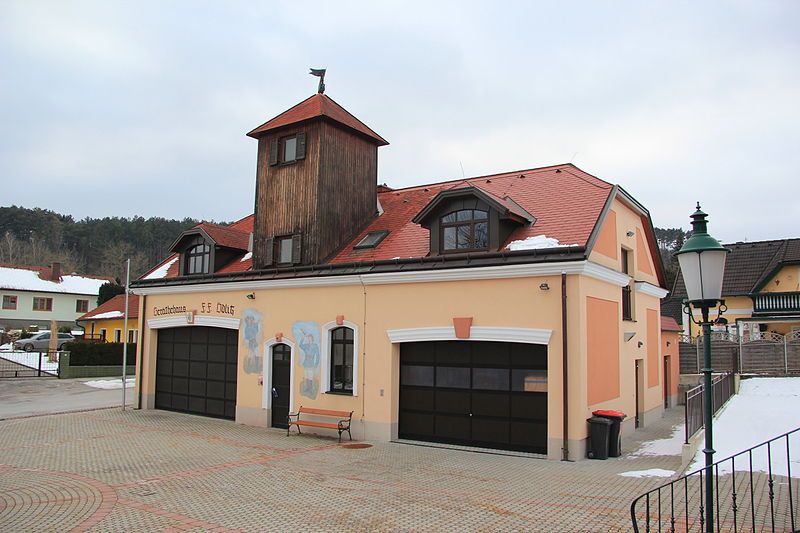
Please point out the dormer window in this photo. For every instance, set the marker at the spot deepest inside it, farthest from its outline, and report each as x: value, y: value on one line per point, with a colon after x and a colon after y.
x: 466, y: 229
x: 198, y: 258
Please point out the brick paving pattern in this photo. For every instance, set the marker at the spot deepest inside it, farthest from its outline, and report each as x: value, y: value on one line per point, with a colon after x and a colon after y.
x: 109, y: 470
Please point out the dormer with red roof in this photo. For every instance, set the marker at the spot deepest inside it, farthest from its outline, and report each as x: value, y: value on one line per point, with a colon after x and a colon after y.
x: 316, y: 182
x: 207, y: 248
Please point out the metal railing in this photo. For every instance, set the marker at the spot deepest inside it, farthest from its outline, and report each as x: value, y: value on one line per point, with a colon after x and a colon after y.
x: 32, y: 365
x: 722, y: 388
x: 755, y: 490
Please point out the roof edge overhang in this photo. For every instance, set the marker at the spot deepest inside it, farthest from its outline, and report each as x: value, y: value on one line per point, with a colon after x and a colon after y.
x: 189, y: 232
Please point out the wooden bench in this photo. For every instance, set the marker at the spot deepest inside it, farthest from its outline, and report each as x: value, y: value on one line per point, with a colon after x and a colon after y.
x: 342, y: 425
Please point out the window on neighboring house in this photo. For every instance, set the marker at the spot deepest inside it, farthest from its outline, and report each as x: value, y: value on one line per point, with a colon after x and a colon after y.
x: 627, y: 299
x: 117, y: 335
x: 464, y: 230
x: 42, y: 304
x: 9, y: 301
x: 372, y: 239
x: 198, y: 259
x: 287, y: 149
x: 341, y: 360
x: 132, y: 336
x: 103, y: 334
x: 81, y: 306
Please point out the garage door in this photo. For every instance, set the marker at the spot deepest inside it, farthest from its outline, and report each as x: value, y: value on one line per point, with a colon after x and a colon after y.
x: 196, y: 371
x: 486, y: 394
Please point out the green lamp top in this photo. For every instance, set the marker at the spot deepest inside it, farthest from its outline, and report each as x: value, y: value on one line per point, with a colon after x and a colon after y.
x: 700, y: 241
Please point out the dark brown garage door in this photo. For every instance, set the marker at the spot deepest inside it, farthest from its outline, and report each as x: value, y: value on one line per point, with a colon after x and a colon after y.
x: 486, y: 394
x: 196, y: 371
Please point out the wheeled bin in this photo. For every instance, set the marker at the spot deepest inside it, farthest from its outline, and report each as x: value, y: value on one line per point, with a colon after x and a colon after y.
x: 614, y: 440
x: 599, y: 430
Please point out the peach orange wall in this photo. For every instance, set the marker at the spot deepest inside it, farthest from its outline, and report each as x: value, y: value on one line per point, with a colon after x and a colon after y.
x: 653, y: 366
x: 669, y: 348
x: 602, y: 339
x: 606, y: 243
x: 643, y: 259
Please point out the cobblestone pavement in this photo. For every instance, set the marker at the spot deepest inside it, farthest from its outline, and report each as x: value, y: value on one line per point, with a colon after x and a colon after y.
x: 110, y: 470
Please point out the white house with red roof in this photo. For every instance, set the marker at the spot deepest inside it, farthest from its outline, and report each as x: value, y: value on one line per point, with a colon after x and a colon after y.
x: 495, y: 311
x: 33, y: 296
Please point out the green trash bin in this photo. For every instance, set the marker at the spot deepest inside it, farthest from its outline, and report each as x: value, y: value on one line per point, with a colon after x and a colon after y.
x: 599, y: 432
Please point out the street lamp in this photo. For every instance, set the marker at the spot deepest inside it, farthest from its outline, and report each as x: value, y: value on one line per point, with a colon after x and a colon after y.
x: 702, y: 262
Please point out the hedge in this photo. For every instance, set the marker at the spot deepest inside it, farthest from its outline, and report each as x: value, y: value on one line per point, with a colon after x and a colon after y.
x: 99, y: 353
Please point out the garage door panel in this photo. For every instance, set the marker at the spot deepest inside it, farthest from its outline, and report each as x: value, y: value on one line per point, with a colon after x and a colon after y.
x: 416, y: 399
x: 488, y: 394
x: 490, y: 431
x: 197, y: 371
x: 453, y: 427
x: 456, y: 402
x: 488, y: 404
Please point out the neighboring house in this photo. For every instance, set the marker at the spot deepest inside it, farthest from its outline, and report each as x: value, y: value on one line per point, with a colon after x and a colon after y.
x: 107, y: 321
x: 670, y: 354
x: 761, y: 289
x: 33, y: 296
x: 497, y: 311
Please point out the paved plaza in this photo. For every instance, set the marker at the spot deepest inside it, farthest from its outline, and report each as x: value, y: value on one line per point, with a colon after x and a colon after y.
x: 108, y: 470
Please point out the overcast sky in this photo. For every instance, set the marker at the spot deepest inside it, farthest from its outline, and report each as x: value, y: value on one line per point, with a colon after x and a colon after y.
x: 141, y: 108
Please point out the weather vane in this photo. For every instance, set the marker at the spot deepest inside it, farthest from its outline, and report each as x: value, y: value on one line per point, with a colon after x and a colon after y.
x: 320, y: 73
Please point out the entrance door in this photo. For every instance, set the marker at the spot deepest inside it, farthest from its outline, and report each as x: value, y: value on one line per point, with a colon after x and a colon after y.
x: 281, y: 373
x: 486, y: 394
x: 666, y: 382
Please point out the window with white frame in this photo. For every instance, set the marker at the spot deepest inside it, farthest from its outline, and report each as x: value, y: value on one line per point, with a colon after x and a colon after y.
x: 340, y: 358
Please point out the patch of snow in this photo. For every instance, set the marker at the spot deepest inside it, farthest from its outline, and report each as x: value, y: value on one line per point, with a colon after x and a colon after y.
x: 29, y: 280
x: 161, y: 272
x: 111, y: 383
x: 110, y: 314
x: 6, y: 347
x: 245, y: 257
x: 673, y: 445
x: 653, y: 472
x: 764, y: 409
x: 536, y: 243
x: 30, y: 359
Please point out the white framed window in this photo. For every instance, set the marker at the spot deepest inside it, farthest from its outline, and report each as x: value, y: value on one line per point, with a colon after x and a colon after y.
x: 337, y: 373
x: 117, y: 335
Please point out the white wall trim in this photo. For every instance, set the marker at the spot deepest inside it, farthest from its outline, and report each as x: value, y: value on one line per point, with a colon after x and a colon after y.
x: 587, y: 268
x: 325, y: 354
x: 477, y: 333
x: 182, y: 320
x: 650, y: 289
x: 266, y: 400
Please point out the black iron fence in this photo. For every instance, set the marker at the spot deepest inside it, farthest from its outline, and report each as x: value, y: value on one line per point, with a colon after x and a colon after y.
x: 754, y: 490
x: 722, y: 388
x: 29, y: 364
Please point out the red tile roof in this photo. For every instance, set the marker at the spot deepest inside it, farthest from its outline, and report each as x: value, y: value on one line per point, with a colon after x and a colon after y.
x: 566, y: 202
x: 227, y: 236
x: 669, y: 324
x: 117, y: 303
x: 318, y: 105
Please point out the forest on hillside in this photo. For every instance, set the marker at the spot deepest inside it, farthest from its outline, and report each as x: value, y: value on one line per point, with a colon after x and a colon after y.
x: 96, y: 246
x: 101, y: 245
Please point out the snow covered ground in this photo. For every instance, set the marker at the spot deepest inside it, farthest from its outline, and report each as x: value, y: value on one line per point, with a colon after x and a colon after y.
x: 112, y: 383
x: 669, y: 446
x: 764, y: 408
x: 30, y: 359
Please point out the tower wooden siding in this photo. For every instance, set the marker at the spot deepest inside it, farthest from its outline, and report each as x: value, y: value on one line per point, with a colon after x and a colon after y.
x: 326, y: 197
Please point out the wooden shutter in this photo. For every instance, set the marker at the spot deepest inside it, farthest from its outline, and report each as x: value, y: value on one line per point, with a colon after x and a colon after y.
x: 301, y: 146
x: 269, y: 247
x: 296, y: 248
x: 273, y: 152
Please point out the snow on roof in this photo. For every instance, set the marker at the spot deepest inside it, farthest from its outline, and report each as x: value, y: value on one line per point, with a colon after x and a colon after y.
x: 536, y: 242
x: 161, y: 271
x: 109, y: 314
x: 26, y: 279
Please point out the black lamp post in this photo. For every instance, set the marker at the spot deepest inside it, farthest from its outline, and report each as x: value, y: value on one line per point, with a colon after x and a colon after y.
x: 702, y: 262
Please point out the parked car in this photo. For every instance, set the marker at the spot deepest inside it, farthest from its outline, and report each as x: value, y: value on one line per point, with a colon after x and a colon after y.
x: 41, y: 342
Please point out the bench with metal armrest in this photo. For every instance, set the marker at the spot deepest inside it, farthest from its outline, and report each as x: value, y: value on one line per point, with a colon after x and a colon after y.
x: 342, y: 425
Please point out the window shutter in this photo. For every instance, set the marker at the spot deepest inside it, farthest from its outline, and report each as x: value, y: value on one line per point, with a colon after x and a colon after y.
x: 273, y: 152
x: 269, y: 247
x: 296, y: 248
x: 301, y: 146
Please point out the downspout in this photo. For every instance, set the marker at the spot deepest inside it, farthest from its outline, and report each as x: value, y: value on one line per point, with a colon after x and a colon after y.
x: 363, y: 352
x: 565, y: 374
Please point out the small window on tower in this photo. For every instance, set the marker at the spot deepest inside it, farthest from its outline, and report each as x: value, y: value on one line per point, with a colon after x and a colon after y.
x: 372, y: 239
x: 288, y: 149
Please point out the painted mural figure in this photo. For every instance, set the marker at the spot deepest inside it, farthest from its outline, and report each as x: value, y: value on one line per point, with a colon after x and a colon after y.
x: 307, y: 335
x: 252, y: 333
